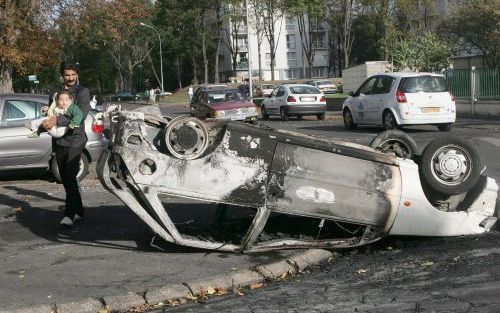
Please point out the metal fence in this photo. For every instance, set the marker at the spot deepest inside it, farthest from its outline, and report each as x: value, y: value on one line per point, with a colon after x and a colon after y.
x: 480, y: 84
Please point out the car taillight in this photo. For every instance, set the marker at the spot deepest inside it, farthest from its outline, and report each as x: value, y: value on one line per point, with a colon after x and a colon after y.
x: 400, y: 96
x: 323, y: 99
x: 291, y: 99
x: 97, y: 128
x: 452, y: 96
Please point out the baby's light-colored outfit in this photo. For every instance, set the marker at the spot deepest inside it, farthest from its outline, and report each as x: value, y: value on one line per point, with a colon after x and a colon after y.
x: 72, y: 111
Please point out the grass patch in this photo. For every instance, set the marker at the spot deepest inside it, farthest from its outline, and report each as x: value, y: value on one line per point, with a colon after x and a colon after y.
x: 337, y: 95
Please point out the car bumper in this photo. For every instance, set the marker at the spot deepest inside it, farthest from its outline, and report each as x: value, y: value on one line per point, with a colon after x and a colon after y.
x: 239, y: 117
x: 95, y: 148
x: 306, y: 109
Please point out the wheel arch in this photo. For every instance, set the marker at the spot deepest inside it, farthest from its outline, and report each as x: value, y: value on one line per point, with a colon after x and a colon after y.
x: 394, y: 113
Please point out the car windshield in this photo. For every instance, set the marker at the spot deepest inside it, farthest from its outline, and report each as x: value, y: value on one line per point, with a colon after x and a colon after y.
x: 321, y: 83
x: 223, y: 96
x: 423, y: 84
x: 304, y: 90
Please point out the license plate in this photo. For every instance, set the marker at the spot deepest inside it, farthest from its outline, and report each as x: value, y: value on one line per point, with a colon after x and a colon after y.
x: 306, y: 99
x: 430, y: 110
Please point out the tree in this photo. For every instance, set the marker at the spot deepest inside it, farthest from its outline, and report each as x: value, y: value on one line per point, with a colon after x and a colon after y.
x: 341, y: 15
x: 477, y: 22
x: 27, y: 41
x: 425, y: 53
x: 256, y: 21
x: 308, y: 14
x: 272, y: 13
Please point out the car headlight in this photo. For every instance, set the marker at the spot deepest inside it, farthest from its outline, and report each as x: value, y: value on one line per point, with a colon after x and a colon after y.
x: 251, y: 110
x: 220, y: 113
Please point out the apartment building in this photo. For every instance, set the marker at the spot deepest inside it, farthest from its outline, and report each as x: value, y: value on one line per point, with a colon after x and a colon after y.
x: 290, y: 62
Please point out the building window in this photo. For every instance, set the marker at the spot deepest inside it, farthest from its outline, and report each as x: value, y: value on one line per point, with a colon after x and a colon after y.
x: 268, y: 59
x: 317, y: 24
x: 318, y: 40
x: 291, y: 58
x: 320, y: 71
x: 290, y: 41
x: 242, y: 43
x: 289, y: 23
x: 293, y: 73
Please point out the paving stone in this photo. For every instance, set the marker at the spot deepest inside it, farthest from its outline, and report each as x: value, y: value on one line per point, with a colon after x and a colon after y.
x: 276, y: 269
x: 166, y: 293
x: 219, y: 281
x: 88, y: 305
x: 242, y: 278
x: 310, y: 257
x: 123, y: 302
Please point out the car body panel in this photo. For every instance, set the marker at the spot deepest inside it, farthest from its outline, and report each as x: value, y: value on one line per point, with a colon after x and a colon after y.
x: 273, y: 171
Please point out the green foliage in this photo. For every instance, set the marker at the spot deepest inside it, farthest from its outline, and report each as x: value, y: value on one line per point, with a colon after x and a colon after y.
x: 477, y: 23
x: 423, y: 53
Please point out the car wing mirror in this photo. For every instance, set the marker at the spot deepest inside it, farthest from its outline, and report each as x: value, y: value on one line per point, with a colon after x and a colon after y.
x: 352, y: 93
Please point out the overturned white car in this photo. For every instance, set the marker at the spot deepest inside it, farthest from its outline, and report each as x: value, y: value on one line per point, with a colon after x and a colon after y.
x: 350, y: 194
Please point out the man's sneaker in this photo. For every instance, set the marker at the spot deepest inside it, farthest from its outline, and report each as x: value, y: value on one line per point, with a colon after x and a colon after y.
x: 66, y: 222
x: 77, y: 218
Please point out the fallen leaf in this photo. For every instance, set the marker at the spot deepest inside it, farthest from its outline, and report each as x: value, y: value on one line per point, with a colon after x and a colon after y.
x: 17, y: 210
x: 455, y: 259
x: 191, y: 297
x: 210, y: 291
x: 361, y: 271
x: 427, y: 263
x: 256, y: 285
x: 221, y: 291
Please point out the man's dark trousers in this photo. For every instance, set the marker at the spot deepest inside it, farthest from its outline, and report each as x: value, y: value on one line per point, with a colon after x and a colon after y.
x: 68, y: 161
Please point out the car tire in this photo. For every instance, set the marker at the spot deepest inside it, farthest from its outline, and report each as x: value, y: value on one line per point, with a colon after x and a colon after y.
x: 284, y: 116
x: 82, y: 173
x: 264, y: 114
x: 396, y: 142
x: 321, y: 117
x: 450, y: 166
x: 389, y: 120
x: 348, y: 120
x: 445, y: 127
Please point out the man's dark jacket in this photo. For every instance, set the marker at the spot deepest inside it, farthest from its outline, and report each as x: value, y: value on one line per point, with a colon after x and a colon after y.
x: 75, y: 137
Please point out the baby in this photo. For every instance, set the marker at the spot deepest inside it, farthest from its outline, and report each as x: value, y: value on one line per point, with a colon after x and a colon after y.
x: 62, y: 105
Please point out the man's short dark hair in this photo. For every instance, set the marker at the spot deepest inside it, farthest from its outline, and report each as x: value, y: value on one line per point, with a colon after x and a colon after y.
x: 65, y: 66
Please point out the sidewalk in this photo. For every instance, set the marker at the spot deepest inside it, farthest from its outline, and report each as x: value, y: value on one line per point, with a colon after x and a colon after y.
x: 103, y: 256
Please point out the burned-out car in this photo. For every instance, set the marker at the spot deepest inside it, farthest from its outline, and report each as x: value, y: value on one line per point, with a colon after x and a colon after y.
x: 349, y: 194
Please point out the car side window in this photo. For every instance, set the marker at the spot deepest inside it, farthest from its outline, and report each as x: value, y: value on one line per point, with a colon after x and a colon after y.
x: 20, y: 110
x: 383, y: 85
x: 281, y: 92
x: 275, y: 92
x: 367, y: 86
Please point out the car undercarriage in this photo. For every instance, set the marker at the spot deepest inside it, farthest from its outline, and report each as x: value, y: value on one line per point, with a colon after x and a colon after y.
x: 346, y: 194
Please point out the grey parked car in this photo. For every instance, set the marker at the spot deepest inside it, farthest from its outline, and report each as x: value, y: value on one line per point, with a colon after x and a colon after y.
x: 17, y: 151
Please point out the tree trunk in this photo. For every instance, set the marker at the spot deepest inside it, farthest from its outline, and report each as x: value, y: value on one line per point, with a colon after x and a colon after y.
x: 6, y: 79
x: 216, y: 63
x: 260, y: 61
x: 195, y: 69
x: 205, y: 59
x: 178, y: 67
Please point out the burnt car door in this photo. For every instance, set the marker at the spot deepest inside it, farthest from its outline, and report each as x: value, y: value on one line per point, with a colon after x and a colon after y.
x: 16, y: 149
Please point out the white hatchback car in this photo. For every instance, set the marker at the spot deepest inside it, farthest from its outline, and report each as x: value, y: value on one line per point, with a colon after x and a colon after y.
x: 400, y: 99
x: 294, y: 99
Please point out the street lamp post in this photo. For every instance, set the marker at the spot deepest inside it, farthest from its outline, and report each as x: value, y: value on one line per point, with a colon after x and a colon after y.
x: 249, y: 56
x: 161, y: 57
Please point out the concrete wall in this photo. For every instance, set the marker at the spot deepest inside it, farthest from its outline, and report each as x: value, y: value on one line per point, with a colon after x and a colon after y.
x: 482, y: 108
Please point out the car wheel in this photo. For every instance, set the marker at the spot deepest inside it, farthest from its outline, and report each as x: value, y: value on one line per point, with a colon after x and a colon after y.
x: 395, y: 142
x: 445, y: 127
x: 450, y: 166
x: 389, y: 120
x: 348, y: 120
x: 82, y: 172
x: 263, y: 111
x: 284, y: 116
x: 321, y: 117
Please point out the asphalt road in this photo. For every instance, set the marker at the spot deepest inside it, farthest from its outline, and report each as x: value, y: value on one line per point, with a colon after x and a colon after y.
x: 106, y: 255
x: 397, y: 274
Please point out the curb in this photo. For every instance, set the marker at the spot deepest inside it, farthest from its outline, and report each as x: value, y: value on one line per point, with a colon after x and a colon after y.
x: 190, y: 290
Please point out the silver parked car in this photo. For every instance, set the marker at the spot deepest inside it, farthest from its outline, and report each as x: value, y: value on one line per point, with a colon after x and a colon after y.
x: 17, y: 151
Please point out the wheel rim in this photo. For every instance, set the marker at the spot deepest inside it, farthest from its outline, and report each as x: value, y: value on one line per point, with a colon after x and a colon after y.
x: 400, y: 148
x: 186, y: 138
x: 451, y: 165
